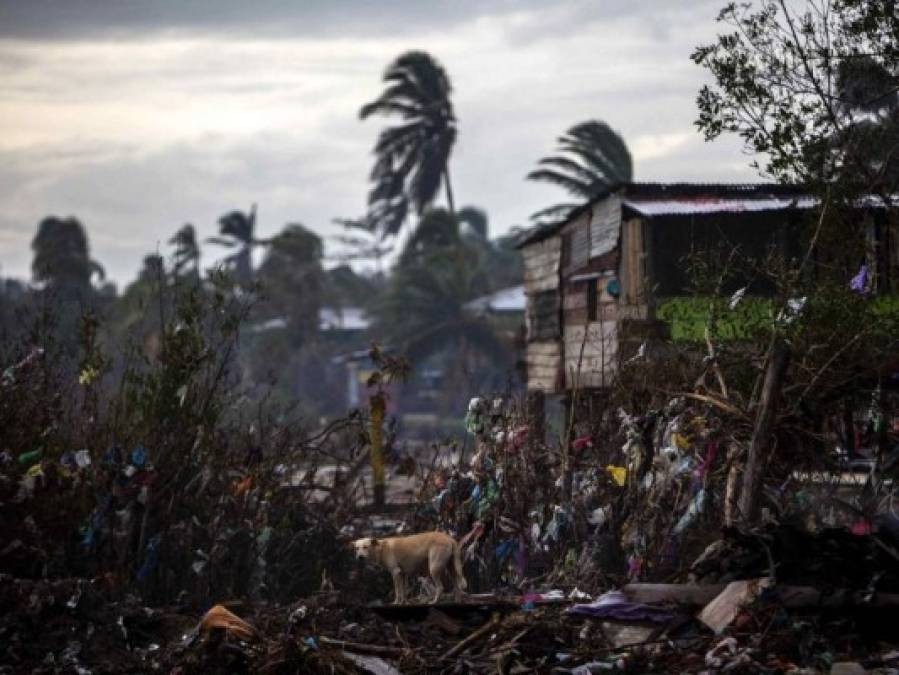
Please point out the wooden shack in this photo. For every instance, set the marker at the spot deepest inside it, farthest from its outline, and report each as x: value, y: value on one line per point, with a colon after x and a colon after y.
x: 593, y: 282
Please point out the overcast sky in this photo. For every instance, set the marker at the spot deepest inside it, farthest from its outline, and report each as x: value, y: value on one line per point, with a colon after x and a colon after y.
x: 138, y: 116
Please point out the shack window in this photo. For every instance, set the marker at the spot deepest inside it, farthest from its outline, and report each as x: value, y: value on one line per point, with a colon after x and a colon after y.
x: 543, y: 315
x: 592, y: 299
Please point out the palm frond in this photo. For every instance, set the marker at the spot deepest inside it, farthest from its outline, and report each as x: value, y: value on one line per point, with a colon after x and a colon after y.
x: 573, y: 185
x: 221, y: 241
x: 555, y: 213
x: 572, y: 168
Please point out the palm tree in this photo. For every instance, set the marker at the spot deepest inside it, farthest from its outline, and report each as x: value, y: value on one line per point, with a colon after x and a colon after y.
x: 592, y: 159
x: 238, y: 231
x: 293, y: 279
x: 187, y: 250
x: 424, y: 309
x: 363, y: 242
x: 62, y: 257
x: 435, y: 234
x: 476, y: 219
x: 412, y: 157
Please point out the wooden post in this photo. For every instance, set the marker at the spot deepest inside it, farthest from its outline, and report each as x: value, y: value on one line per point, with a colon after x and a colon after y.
x: 377, y: 446
x: 567, y: 464
x: 535, y: 403
x: 778, y: 359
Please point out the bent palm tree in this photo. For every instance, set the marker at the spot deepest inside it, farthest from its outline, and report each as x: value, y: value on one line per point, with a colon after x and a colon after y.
x: 412, y: 157
x: 238, y: 231
x: 592, y: 158
x: 362, y: 241
x: 62, y: 256
x: 187, y: 250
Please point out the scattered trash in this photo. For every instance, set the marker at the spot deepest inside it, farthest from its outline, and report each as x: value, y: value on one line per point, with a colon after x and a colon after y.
x: 220, y: 618
x: 615, y: 605
x: 736, y: 596
x: 372, y: 664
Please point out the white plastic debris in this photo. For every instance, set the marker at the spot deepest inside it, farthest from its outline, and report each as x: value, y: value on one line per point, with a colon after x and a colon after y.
x: 578, y: 594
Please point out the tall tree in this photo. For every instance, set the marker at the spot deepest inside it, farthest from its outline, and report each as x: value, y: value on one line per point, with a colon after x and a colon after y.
x: 475, y: 219
x: 187, y: 251
x: 423, y: 311
x: 412, y: 158
x: 810, y: 88
x: 293, y: 280
x: 238, y: 231
x: 62, y: 257
x: 592, y: 158
x: 363, y: 241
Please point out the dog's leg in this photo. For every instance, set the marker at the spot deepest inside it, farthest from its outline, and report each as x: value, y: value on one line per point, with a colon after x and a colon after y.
x: 458, y: 574
x: 399, y: 597
x: 436, y: 571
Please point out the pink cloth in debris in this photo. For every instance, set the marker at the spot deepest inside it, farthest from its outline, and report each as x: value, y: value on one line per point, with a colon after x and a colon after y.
x: 615, y: 605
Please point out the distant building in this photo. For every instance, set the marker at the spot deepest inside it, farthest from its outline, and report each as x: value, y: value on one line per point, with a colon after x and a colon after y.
x: 343, y: 319
x: 510, y: 300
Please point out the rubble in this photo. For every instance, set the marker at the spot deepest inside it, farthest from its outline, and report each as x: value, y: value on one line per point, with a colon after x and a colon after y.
x: 557, y: 584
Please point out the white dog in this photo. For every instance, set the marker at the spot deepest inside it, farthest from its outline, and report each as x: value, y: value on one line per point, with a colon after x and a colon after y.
x: 424, y: 553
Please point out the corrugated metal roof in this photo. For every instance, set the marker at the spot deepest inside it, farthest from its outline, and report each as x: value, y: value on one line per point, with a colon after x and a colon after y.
x: 765, y: 197
x: 703, y: 205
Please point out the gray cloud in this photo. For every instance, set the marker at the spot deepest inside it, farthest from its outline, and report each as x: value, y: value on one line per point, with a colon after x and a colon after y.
x: 105, y: 19
x: 131, y: 202
x: 138, y: 136
x: 283, y: 18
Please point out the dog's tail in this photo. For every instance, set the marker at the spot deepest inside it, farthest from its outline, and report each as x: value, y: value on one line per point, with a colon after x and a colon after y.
x: 461, y: 584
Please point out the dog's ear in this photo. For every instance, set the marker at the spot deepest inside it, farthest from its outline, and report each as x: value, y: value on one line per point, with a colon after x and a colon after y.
x: 374, y: 543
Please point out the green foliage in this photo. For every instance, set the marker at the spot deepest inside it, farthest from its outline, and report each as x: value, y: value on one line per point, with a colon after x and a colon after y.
x: 346, y: 288
x: 754, y: 317
x: 292, y: 281
x: 189, y: 520
x: 61, y: 257
x: 476, y: 220
x: 810, y: 87
x: 689, y: 316
x: 423, y: 310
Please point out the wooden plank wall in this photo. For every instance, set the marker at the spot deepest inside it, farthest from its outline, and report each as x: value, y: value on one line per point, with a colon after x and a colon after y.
x: 596, y: 256
x: 599, y: 341
x: 576, y: 242
x: 605, y: 226
x: 544, y: 365
x: 541, y: 265
x: 633, y: 265
x: 541, y: 275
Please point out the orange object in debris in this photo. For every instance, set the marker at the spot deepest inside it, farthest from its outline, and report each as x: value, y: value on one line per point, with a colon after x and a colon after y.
x: 219, y: 617
x: 241, y: 487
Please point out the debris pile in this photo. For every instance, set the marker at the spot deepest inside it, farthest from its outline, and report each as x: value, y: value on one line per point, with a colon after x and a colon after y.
x: 564, y: 551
